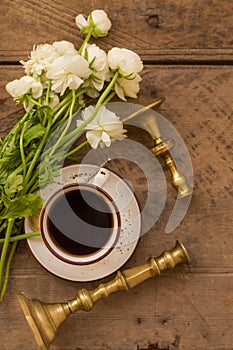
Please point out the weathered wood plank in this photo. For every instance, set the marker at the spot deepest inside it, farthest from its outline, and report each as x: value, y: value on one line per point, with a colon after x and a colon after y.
x: 159, y: 31
x: 202, y: 114
x: 175, y: 311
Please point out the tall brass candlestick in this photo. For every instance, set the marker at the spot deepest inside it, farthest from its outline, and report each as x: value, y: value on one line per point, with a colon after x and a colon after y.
x: 44, y: 319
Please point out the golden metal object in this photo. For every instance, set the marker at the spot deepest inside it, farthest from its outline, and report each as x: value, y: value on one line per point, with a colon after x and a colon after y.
x: 156, y: 104
x: 178, y: 180
x: 162, y: 147
x: 44, y: 319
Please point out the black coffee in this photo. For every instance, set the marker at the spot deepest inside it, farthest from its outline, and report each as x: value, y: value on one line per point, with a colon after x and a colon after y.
x: 80, y: 221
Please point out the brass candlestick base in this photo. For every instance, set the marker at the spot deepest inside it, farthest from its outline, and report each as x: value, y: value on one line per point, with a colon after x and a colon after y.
x: 44, y: 319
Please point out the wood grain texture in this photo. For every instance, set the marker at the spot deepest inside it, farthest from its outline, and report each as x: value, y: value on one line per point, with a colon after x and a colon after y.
x: 191, y: 307
x: 158, y: 31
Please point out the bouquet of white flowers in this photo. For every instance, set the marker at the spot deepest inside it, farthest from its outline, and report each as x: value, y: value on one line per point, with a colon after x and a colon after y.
x: 59, y: 82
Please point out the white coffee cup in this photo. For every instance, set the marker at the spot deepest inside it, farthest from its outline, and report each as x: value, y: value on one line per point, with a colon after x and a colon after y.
x: 80, y: 222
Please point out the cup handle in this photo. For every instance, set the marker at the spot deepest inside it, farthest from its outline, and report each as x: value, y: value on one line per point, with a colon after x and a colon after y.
x: 101, y: 177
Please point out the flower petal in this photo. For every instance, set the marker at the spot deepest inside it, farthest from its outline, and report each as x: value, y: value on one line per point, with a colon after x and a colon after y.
x: 80, y: 21
x: 120, y: 91
x: 93, y: 138
x: 106, y: 138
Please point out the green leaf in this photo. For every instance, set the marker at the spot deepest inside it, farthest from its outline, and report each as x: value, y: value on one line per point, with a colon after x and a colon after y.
x: 48, y: 171
x: 13, y: 184
x: 6, y: 200
x: 22, y: 206
x: 33, y: 133
x: 47, y: 110
x: 10, y: 158
x: 1, y: 192
x: 92, y: 62
x: 86, y: 55
x: 95, y: 78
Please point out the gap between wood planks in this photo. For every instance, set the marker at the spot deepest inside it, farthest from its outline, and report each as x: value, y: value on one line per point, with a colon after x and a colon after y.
x: 181, y: 62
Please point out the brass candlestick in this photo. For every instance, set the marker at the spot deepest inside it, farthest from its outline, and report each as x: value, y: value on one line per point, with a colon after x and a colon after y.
x: 161, y: 148
x: 178, y: 180
x: 44, y: 319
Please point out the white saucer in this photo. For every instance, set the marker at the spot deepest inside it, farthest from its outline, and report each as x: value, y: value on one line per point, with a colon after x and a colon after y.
x: 129, y: 235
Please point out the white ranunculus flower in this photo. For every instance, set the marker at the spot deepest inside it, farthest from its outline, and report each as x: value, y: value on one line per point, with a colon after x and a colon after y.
x: 105, y: 128
x: 97, y: 20
x: 125, y: 87
x: 40, y: 59
x: 64, y: 47
x: 97, y: 59
x: 101, y: 21
x: 68, y: 71
x: 19, y: 87
x: 95, y: 56
x: 126, y: 61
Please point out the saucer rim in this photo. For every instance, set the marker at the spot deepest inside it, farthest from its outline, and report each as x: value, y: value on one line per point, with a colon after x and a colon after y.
x: 59, y: 268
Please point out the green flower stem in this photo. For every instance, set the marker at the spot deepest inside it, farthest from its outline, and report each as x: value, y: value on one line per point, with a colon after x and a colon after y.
x: 76, y: 149
x: 22, y: 153
x: 73, y: 135
x: 3, y: 225
x: 110, y: 96
x: 21, y: 237
x: 67, y: 125
x: 33, y: 184
x: 85, y: 41
x: 36, y: 156
x: 67, y: 140
x: 20, y: 167
x: 13, y: 131
x: 108, y: 89
x: 40, y: 101
x: 7, y: 272
x: 35, y: 102
x: 63, y: 105
x: 60, y: 112
x: 5, y: 248
x: 64, y: 101
x: 64, y: 116
x: 33, y: 180
x: 47, y: 94
x: 40, y: 117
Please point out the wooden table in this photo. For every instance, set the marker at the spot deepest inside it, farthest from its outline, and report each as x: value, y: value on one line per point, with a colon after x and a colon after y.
x: 188, y: 53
